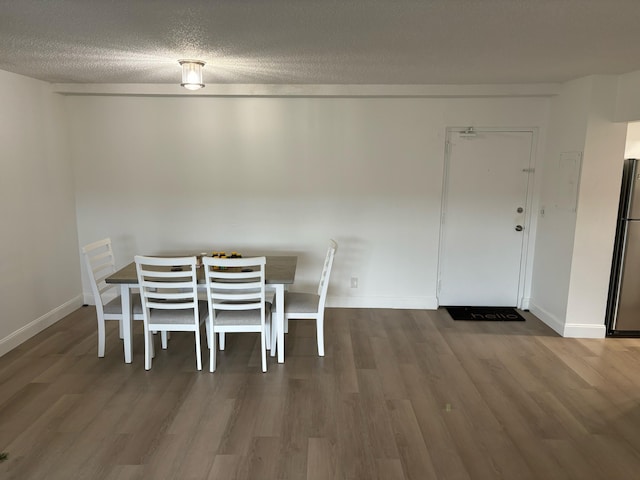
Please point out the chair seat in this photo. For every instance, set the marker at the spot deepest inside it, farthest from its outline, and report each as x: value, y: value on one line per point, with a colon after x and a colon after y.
x: 114, y: 307
x: 241, y: 317
x: 177, y: 317
x: 299, y: 302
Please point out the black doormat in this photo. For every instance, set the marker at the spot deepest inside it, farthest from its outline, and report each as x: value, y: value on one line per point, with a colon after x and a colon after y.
x: 494, y: 314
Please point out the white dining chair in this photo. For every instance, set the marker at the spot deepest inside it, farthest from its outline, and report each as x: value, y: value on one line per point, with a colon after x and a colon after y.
x: 100, y: 263
x: 236, y: 301
x: 309, y: 306
x: 169, y: 295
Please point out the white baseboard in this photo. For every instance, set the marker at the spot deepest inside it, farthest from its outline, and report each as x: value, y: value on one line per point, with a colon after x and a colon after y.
x: 87, y: 299
x: 417, y: 303
x: 551, y: 320
x: 582, y: 330
x: 568, y: 330
x: 23, y: 334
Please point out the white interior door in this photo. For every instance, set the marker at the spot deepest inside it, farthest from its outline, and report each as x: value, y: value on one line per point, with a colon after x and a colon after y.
x: 484, y: 218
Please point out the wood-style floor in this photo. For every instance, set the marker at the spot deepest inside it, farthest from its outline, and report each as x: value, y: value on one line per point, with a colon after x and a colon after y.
x: 401, y: 394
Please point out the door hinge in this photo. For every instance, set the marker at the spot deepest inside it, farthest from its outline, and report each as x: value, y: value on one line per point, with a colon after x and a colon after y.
x: 528, y: 170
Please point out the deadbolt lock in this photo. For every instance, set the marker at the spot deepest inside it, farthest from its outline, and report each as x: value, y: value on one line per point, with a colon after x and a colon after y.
x: 520, y: 210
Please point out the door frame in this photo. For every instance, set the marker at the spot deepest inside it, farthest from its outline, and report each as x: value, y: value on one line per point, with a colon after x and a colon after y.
x: 526, y: 260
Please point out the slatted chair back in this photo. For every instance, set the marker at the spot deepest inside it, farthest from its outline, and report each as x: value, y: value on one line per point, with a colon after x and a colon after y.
x: 323, y: 286
x: 236, y: 299
x: 169, y: 293
x: 100, y: 262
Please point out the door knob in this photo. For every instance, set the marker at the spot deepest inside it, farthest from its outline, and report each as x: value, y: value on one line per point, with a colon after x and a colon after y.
x: 519, y: 228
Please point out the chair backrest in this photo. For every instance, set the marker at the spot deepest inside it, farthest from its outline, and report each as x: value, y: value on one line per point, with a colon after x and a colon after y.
x: 235, y: 284
x: 167, y: 283
x: 326, y: 272
x: 100, y: 263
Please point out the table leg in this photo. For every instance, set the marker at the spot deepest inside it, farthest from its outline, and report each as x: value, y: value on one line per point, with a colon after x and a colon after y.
x: 280, y: 321
x: 127, y: 337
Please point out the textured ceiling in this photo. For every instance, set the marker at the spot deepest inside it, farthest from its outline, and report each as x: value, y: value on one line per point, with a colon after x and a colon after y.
x: 404, y: 42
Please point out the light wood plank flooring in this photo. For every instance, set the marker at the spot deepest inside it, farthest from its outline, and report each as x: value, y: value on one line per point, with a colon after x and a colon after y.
x: 401, y: 394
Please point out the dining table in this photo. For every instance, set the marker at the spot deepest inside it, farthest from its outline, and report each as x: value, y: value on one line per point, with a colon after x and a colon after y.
x: 280, y: 272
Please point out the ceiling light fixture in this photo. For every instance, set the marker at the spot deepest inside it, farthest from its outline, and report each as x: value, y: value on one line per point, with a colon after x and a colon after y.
x: 192, y: 74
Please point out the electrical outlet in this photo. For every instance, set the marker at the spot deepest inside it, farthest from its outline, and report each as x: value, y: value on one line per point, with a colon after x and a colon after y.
x: 354, y: 282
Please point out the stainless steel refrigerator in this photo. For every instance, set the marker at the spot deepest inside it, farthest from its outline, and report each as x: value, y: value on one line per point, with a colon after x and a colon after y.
x: 623, y: 308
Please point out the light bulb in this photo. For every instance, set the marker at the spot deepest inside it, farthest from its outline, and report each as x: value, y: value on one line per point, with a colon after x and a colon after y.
x: 191, y: 74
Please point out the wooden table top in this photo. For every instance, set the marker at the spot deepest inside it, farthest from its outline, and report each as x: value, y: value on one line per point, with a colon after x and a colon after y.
x: 280, y: 269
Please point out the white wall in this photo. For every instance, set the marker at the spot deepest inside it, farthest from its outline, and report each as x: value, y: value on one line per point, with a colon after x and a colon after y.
x: 280, y: 175
x: 39, y: 263
x: 573, y: 248
x: 632, y: 145
x: 556, y: 224
x: 597, y: 209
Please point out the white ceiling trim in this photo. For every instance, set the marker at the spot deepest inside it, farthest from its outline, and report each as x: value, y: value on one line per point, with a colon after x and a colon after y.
x: 278, y: 90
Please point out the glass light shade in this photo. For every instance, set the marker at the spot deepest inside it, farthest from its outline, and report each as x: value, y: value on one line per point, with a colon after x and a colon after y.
x: 191, y: 74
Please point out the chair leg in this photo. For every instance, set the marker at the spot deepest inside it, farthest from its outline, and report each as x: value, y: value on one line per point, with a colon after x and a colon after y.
x: 221, y: 340
x: 263, y: 345
x: 267, y: 326
x: 148, y: 349
x: 212, y: 348
x: 101, y: 336
x: 320, y: 334
x: 164, y: 335
x: 198, y: 351
x: 274, y: 336
x: 121, y: 329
